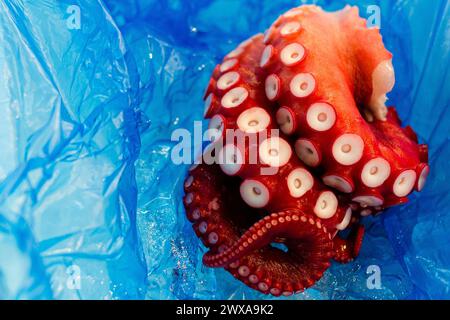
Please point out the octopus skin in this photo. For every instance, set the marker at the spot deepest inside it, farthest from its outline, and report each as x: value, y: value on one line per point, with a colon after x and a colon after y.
x: 376, y: 161
x: 273, y: 220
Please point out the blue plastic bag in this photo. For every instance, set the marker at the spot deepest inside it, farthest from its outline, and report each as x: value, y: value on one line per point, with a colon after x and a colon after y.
x: 90, y: 201
x: 70, y: 139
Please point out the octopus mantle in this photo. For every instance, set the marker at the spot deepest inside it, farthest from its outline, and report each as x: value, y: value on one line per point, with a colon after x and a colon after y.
x: 321, y: 79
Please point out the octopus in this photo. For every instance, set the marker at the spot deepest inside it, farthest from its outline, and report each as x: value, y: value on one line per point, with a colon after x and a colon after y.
x: 302, y: 148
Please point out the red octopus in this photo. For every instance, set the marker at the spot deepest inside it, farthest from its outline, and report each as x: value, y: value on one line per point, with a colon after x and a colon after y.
x: 270, y: 209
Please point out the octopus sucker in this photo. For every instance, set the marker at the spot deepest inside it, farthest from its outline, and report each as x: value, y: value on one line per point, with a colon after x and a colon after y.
x: 286, y: 121
x: 348, y: 149
x: 255, y: 193
x: 232, y: 159
x: 321, y: 116
x: 321, y: 150
x: 326, y: 205
x: 302, y: 85
x: 339, y: 182
x: 253, y: 120
x: 292, y: 54
x: 228, y: 65
x: 299, y: 182
x: 275, y: 151
x: 404, y: 183
x: 216, y: 127
x: 308, y: 152
x: 366, y: 200
x: 345, y: 221
x: 375, y: 172
x: 422, y: 172
x: 290, y: 28
x: 272, y: 86
x: 234, y: 98
x: 228, y: 80
x: 266, y: 56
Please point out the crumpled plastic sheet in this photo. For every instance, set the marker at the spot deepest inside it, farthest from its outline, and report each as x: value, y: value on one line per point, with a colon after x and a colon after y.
x: 90, y: 200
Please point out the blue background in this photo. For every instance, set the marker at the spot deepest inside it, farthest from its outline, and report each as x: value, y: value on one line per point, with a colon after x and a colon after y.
x: 90, y: 201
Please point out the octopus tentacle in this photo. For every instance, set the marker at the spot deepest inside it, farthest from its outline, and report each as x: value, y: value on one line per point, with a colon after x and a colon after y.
x: 292, y: 184
x: 347, y: 249
x: 290, y: 224
x: 375, y: 153
x: 239, y: 237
